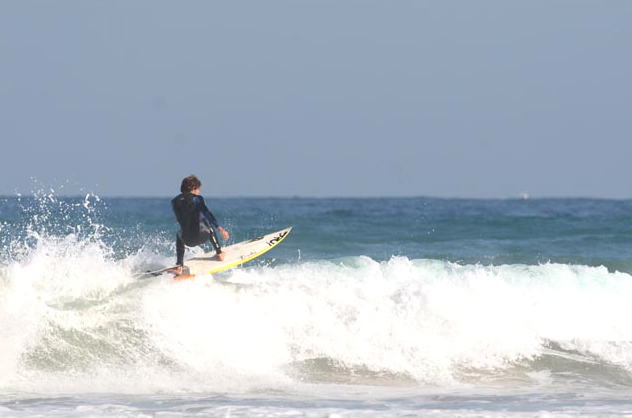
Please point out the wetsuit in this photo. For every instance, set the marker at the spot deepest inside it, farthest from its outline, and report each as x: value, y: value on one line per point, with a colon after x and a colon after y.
x: 196, y: 224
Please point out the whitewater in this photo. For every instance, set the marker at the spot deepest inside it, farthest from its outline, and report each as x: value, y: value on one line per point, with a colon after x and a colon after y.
x: 371, y: 307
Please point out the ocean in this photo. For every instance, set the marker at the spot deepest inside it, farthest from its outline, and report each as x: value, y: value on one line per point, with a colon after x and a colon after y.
x: 371, y: 307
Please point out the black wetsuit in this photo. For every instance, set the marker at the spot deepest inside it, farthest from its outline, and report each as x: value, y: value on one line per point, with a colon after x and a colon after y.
x: 196, y: 224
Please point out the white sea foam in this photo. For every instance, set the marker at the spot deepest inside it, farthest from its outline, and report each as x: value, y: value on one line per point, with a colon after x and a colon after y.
x: 80, y: 335
x: 73, y: 318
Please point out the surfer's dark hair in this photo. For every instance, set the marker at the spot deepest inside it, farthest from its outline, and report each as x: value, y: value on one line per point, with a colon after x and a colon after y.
x: 190, y: 183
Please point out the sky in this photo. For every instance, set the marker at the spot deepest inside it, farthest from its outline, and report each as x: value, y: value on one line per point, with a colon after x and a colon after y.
x: 317, y: 98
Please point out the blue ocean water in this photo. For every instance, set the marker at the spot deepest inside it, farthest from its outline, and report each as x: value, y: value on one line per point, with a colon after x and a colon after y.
x: 371, y: 307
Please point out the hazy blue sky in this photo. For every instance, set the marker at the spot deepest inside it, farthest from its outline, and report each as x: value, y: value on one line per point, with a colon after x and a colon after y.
x: 317, y: 98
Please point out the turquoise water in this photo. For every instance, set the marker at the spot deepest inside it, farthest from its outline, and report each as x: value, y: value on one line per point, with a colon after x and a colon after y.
x: 371, y: 307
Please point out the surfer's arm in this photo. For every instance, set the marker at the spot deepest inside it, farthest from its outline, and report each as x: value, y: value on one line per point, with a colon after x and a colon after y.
x: 206, y: 212
x: 208, y: 215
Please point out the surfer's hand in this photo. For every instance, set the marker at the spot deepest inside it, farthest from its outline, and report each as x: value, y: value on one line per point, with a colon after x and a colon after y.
x: 224, y: 233
x: 221, y: 256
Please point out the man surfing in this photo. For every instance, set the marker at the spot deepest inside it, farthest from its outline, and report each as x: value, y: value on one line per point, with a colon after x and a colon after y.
x: 196, y: 221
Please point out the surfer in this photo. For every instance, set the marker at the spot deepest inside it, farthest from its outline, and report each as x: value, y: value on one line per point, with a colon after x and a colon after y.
x: 196, y: 221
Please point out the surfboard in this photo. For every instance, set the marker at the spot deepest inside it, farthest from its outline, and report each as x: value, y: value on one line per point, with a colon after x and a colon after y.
x: 236, y: 254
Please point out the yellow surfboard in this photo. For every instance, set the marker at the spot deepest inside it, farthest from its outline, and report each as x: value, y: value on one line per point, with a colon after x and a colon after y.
x: 235, y: 255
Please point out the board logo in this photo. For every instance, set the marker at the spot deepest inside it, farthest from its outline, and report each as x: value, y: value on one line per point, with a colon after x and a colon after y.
x: 278, y: 238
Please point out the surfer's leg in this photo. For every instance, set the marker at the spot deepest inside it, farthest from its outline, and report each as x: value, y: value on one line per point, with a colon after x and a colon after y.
x: 179, y: 250
x: 215, y: 242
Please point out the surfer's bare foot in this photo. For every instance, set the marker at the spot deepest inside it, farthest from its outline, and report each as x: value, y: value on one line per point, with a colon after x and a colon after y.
x: 175, y: 270
x: 221, y: 256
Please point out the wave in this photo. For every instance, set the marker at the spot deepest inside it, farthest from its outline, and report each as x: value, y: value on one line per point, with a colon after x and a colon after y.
x: 74, y: 317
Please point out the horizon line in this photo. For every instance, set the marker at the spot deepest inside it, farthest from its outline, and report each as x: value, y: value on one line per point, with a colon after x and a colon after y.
x: 324, y: 197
